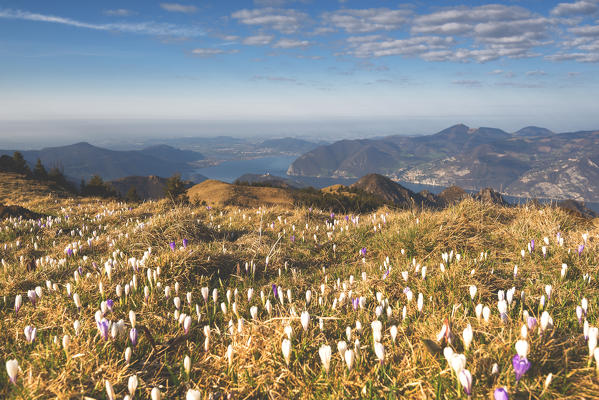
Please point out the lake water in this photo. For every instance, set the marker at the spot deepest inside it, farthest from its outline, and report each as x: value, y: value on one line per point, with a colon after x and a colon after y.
x: 228, y: 171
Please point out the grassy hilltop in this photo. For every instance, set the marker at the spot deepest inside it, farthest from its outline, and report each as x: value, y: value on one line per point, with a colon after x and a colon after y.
x: 117, y: 300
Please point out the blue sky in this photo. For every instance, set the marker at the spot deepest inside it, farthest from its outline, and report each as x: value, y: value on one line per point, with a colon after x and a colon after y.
x: 484, y: 63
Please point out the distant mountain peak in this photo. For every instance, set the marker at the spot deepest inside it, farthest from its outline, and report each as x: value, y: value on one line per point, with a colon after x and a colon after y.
x: 532, y: 131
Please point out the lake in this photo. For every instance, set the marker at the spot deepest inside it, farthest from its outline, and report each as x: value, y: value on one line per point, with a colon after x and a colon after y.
x: 228, y: 171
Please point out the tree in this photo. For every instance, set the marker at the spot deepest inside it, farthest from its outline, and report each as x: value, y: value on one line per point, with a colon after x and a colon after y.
x: 175, y: 189
x: 20, y: 163
x: 97, y: 187
x: 132, y: 195
x: 39, y: 171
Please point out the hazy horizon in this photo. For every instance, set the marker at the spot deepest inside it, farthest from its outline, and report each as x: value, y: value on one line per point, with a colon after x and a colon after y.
x: 130, y: 134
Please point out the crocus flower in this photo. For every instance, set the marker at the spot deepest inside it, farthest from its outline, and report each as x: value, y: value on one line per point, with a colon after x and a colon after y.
x: 18, y: 304
x: 465, y: 378
x: 521, y: 366
x: 500, y: 394
x: 349, y: 356
x: 363, y: 251
x: 30, y: 333
x: 156, y: 394
x: 185, y: 243
x: 193, y: 394
x: 110, y: 391
x: 379, y: 350
x: 132, y: 385
x: 275, y: 290
x: 580, y: 249
x: 32, y: 296
x: 12, y: 369
x: 172, y: 246
x: 532, y: 323
x: 109, y: 304
x: 286, y: 349
x: 305, y: 320
x: 325, y: 356
x: 103, y: 328
x: 133, y: 336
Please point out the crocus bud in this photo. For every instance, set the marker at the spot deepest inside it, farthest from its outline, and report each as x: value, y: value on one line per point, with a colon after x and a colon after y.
x: 467, y: 335
x: 349, y: 356
x: 522, y: 348
x: 286, y: 349
x: 187, y: 365
x: 325, y: 356
x: 132, y: 385
x: 12, y: 369
x: 155, y: 394
x: 305, y: 319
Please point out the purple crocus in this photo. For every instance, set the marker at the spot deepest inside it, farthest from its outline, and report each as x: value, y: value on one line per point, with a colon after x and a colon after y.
x: 292, y: 238
x: 346, y: 218
x: 69, y: 252
x: 500, y: 394
x: 172, y: 245
x: 532, y: 323
x: 185, y: 243
x: 363, y: 251
x: 580, y: 249
x: 521, y: 366
x: 356, y: 303
x: 109, y: 304
x: 32, y: 296
x: 275, y: 291
x: 133, y: 336
x: 80, y: 269
x: 103, y: 328
x: 332, y: 216
x: 532, y: 245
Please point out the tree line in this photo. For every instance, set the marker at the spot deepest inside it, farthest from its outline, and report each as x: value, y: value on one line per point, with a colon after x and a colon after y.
x: 95, y: 187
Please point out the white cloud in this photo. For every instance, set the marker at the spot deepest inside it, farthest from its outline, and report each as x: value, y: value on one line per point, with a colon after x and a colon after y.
x: 258, y: 40
x: 176, y: 7
x: 576, y: 8
x: 208, y: 52
x: 119, y: 12
x: 142, y: 28
x: 537, y: 72
x: 291, y: 44
x: 586, y: 30
x: 411, y: 46
x: 367, y: 20
x: 282, y: 20
x: 468, y: 83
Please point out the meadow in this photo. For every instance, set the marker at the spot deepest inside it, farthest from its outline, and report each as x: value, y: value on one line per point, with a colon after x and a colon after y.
x: 108, y: 300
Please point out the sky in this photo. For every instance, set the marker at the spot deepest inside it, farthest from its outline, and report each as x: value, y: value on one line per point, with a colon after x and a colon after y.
x: 418, y: 66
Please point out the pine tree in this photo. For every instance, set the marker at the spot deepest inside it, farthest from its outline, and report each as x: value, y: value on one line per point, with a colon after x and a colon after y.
x: 39, y: 171
x: 175, y: 189
x: 20, y: 163
x: 132, y: 196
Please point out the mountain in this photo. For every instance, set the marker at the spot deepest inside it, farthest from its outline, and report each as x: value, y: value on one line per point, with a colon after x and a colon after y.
x: 83, y: 160
x: 289, y: 145
x: 171, y: 154
x: 147, y: 187
x: 533, y: 162
x: 533, y: 131
x: 390, y: 191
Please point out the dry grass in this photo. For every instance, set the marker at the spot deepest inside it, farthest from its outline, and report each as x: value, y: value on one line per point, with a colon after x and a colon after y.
x: 223, y: 240
x: 220, y: 193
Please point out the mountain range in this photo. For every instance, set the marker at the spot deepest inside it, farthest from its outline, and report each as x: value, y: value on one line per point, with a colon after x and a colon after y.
x: 83, y: 160
x: 532, y: 162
